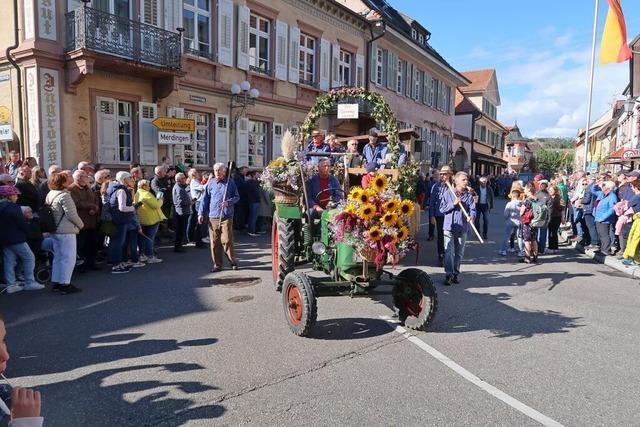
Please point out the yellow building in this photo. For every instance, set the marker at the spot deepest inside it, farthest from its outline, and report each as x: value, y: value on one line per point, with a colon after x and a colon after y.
x: 96, y: 75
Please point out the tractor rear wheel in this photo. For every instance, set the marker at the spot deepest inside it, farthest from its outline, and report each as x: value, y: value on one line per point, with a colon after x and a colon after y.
x: 299, y: 303
x: 283, y: 247
x: 415, y: 298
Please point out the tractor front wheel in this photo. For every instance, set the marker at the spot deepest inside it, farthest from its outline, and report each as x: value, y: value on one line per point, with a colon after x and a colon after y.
x: 415, y: 298
x: 283, y: 247
x: 299, y: 303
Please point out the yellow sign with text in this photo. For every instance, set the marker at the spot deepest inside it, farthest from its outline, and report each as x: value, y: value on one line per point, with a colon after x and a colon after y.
x: 175, y: 124
x: 5, y: 114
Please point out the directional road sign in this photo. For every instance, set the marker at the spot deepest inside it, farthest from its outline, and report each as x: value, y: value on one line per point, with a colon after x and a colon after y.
x: 175, y: 124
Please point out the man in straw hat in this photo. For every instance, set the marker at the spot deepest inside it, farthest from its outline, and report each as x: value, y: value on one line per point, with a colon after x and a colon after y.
x: 317, y: 145
x: 436, y: 217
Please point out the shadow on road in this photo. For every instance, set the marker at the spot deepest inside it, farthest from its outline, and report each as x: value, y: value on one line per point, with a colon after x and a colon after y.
x: 135, y: 403
x: 349, y: 329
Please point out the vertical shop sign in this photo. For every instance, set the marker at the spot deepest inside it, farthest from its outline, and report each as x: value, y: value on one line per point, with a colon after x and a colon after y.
x: 33, y: 114
x: 47, y: 28
x: 50, y: 99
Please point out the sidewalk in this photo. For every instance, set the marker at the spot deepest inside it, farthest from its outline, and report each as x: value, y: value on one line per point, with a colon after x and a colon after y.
x: 610, y: 261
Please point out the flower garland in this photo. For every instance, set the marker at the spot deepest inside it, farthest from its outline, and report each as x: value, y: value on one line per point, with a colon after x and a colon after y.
x: 375, y: 220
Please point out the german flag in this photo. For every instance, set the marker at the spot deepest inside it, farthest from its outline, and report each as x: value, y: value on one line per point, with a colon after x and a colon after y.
x: 614, y: 47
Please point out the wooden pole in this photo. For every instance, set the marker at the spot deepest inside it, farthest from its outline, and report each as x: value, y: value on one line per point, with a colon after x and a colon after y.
x: 465, y: 212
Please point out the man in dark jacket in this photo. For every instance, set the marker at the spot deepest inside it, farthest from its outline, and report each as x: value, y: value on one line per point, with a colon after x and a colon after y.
x: 253, y: 197
x: 543, y: 197
x: 242, y: 207
x: 29, y: 196
x: 88, y: 207
x: 13, y: 239
x: 182, y: 206
x: 436, y: 217
x: 588, y: 205
x: 484, y: 204
x: 43, y: 188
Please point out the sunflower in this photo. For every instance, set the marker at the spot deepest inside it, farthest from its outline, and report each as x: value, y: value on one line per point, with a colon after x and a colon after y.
x: 406, y: 207
x: 355, y: 193
x: 379, y: 183
x: 389, y: 219
x: 364, y: 197
x: 350, y: 209
x: 367, y: 211
x: 403, y: 233
x: 391, y: 205
x: 375, y: 233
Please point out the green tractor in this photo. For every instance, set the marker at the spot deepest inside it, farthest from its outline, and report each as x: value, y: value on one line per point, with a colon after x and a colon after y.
x: 297, y: 239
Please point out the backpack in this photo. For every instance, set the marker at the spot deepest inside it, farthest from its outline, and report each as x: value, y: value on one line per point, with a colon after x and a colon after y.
x: 540, y: 215
x: 47, y: 219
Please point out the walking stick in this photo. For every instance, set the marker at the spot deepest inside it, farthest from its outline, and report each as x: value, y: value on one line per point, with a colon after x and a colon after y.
x: 224, y: 195
x: 464, y: 211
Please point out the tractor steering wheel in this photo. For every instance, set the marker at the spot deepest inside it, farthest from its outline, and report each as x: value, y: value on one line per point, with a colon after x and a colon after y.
x: 331, y: 201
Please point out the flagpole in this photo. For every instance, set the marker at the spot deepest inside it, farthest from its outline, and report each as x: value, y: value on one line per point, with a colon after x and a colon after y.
x: 593, y: 63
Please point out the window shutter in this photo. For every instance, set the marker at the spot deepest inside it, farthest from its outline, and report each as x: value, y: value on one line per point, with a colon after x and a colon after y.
x: 225, y: 32
x: 107, y: 130
x: 277, y: 139
x: 150, y: 12
x: 222, y: 138
x: 373, y: 55
x: 242, y: 141
x: 336, y: 79
x: 172, y: 15
x: 425, y: 89
x: 243, y: 37
x: 148, y: 140
x: 325, y: 61
x: 407, y: 80
x: 294, y: 54
x: 385, y: 72
x: 392, y: 75
x: 281, y: 50
x: 359, y: 81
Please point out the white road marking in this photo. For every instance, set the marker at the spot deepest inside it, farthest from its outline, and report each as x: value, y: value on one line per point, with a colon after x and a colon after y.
x: 495, y: 392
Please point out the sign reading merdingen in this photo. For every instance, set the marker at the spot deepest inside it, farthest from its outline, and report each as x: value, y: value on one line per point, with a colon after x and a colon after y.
x: 174, y: 138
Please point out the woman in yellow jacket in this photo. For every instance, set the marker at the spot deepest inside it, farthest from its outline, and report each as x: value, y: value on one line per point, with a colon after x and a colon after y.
x: 150, y: 216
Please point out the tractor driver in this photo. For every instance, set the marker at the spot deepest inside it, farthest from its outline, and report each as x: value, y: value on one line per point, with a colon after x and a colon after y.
x: 322, y: 188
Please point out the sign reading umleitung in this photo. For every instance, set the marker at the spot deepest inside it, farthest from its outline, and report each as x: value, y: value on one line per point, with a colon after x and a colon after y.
x: 174, y: 138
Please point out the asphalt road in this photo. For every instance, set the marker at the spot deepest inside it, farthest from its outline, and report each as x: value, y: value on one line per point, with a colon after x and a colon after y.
x: 513, y: 344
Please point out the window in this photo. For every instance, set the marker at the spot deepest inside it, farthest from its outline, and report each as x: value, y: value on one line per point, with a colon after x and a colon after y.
x: 489, y: 109
x: 257, y: 143
x: 198, y: 152
x: 307, y: 59
x: 379, y: 66
x: 447, y: 99
x: 196, y: 21
x: 433, y: 93
x: 418, y: 86
x: 483, y: 134
x: 124, y: 131
x: 345, y: 68
x: 414, y: 33
x: 259, y: 36
x: 421, y: 39
x: 399, y: 87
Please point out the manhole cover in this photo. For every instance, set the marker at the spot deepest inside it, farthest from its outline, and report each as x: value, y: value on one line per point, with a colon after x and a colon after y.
x: 240, y: 298
x: 234, y: 281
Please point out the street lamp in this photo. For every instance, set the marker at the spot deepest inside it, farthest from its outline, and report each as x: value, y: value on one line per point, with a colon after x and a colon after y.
x: 629, y: 103
x: 242, y: 95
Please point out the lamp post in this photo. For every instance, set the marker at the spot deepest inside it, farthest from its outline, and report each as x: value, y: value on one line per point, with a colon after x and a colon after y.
x: 242, y: 95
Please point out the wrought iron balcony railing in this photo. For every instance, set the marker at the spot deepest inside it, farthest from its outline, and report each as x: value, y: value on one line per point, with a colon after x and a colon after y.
x: 98, y: 31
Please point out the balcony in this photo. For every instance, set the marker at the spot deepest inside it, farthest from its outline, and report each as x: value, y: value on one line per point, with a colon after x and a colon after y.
x: 92, y: 30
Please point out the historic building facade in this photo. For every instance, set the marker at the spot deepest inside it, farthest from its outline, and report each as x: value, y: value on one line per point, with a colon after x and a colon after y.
x: 96, y: 75
x: 517, y: 153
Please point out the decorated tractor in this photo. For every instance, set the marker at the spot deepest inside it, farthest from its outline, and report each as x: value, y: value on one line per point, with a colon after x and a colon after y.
x: 349, y: 243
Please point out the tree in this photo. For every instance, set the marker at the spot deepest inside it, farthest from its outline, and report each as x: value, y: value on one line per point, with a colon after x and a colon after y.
x: 550, y: 161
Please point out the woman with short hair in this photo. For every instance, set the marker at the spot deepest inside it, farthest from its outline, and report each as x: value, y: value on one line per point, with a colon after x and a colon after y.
x: 150, y: 216
x: 68, y: 225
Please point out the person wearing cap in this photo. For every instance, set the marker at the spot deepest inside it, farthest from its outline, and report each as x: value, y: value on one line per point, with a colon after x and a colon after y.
x: 13, y: 240
x: 484, y: 204
x: 123, y: 215
x: 68, y: 226
x: 374, y: 152
x: 436, y: 217
x: 317, y: 145
x: 543, y: 197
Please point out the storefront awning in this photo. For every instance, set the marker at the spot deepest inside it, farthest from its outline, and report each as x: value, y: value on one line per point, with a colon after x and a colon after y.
x: 494, y: 160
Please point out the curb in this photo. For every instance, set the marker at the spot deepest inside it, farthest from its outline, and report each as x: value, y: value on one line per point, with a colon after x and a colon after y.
x: 610, y: 261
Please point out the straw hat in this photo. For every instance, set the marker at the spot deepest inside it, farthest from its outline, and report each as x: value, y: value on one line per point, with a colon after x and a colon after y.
x: 446, y: 169
x: 317, y: 132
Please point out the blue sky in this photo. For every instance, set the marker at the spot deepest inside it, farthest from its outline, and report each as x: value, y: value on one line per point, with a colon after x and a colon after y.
x: 541, y: 50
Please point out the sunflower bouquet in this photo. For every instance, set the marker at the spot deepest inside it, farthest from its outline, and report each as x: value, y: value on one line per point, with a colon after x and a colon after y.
x: 375, y: 221
x: 283, y: 178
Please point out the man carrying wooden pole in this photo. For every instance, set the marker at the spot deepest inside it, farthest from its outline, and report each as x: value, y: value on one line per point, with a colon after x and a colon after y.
x: 459, y: 209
